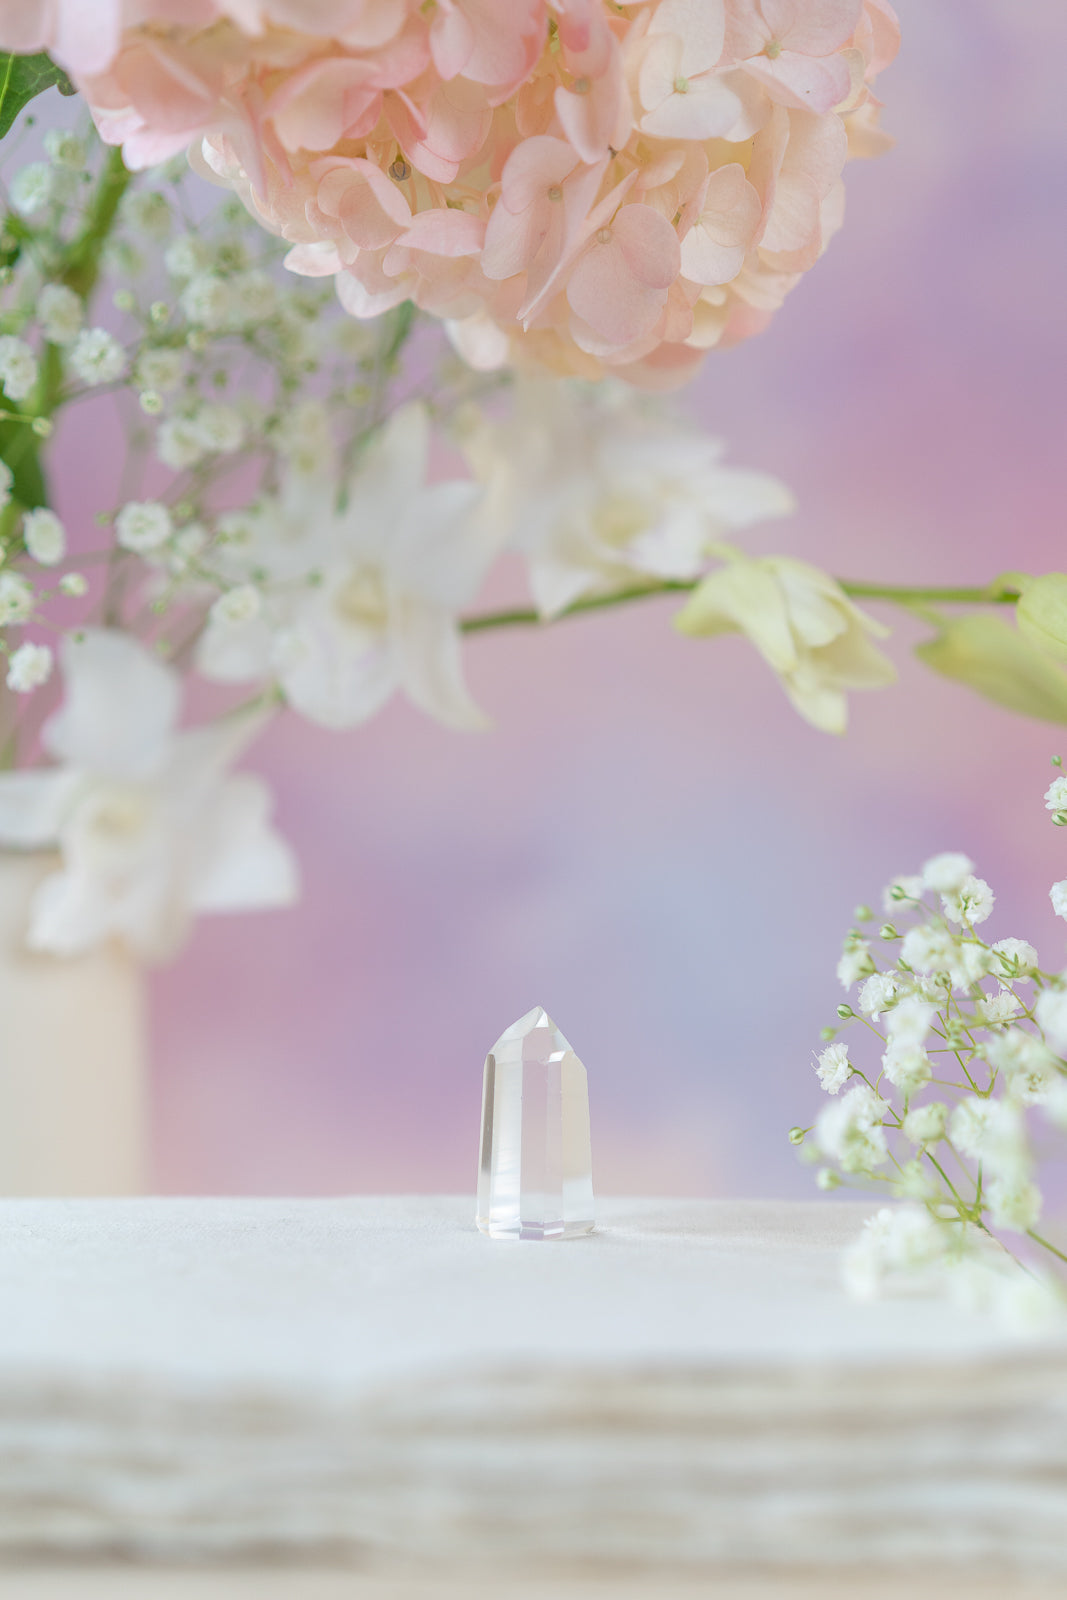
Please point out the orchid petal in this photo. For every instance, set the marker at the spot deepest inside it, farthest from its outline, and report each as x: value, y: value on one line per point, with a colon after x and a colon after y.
x: 430, y: 664
x: 242, y: 863
x: 120, y: 708
x: 33, y: 806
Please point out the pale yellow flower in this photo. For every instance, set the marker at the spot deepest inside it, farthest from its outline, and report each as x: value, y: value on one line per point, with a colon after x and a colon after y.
x: 802, y: 623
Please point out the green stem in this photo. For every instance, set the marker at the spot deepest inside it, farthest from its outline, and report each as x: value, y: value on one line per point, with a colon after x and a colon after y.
x: 527, y: 617
x: 1036, y: 1237
x: 82, y: 266
x: 992, y: 594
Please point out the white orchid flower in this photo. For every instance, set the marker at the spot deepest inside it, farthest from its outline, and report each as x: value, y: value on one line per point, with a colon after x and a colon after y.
x: 802, y: 623
x: 600, y: 493
x: 151, y: 827
x: 394, y: 566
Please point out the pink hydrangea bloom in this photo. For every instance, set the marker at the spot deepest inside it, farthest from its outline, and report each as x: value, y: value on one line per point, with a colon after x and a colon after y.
x: 583, y: 184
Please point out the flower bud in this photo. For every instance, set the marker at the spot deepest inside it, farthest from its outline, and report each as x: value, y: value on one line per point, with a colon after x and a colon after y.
x: 845, y: 1012
x: 888, y: 932
x: 827, y: 1179
x: 796, y: 1136
x: 1042, y: 614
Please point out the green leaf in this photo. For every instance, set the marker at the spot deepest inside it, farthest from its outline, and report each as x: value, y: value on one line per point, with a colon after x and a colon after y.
x: 22, y: 78
x: 996, y: 661
x: 20, y: 448
x: 1042, y: 614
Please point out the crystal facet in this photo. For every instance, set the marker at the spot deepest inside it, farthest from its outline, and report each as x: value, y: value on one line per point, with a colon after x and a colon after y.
x: 535, y: 1180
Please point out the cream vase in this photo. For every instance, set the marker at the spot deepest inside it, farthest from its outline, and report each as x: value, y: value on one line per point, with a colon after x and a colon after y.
x: 73, y: 1090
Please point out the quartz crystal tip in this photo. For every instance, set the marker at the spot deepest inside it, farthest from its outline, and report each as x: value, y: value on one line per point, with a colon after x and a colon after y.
x: 535, y: 1178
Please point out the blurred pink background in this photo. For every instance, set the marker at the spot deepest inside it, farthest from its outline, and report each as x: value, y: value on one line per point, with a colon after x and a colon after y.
x: 651, y: 844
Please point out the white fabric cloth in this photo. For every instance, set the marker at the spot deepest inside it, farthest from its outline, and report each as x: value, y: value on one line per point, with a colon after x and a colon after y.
x: 687, y: 1390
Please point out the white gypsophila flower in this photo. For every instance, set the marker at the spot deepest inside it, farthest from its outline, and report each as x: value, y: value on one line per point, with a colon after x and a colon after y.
x: 1014, y: 1204
x: 148, y: 213
x: 914, y: 1180
x: 1013, y: 1050
x: 1050, y: 1013
x: 28, y: 667
x: 17, y: 598
x: 160, y: 370
x: 996, y: 1008
x: 834, y: 1068
x: 151, y: 826
x: 74, y: 584
x: 855, y: 963
x: 186, y: 257
x: 220, y: 428
x: 44, y: 536
x: 850, y: 1131
x: 18, y: 367
x: 907, y: 1066
x: 304, y: 438
x: 910, y: 1021
x: 993, y: 1132
x: 928, y: 949
x: 206, y: 301
x: 972, y: 902
x: 972, y: 963
x: 187, y: 545
x: 243, y: 530
x: 32, y: 188
x: 901, y: 891
x: 97, y: 357
x: 969, y: 1124
x: 1017, y: 959
x: 242, y: 604
x: 947, y: 872
x: 926, y: 1124
x: 903, y: 1240
x: 180, y: 443
x: 60, y: 313
x: 880, y: 991
x: 1058, y: 895
x: 1029, y: 1068
x: 295, y: 336
x: 143, y: 525
x: 7, y: 479
x: 1056, y: 795
x: 254, y: 298
x: 65, y: 149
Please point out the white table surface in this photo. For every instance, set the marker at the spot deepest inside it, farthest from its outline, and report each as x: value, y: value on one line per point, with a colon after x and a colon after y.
x: 370, y: 1383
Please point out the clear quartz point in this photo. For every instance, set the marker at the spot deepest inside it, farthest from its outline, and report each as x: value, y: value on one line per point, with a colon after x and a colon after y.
x: 535, y: 1180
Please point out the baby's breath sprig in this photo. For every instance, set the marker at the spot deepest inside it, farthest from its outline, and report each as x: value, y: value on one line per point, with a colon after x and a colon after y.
x: 940, y: 1113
